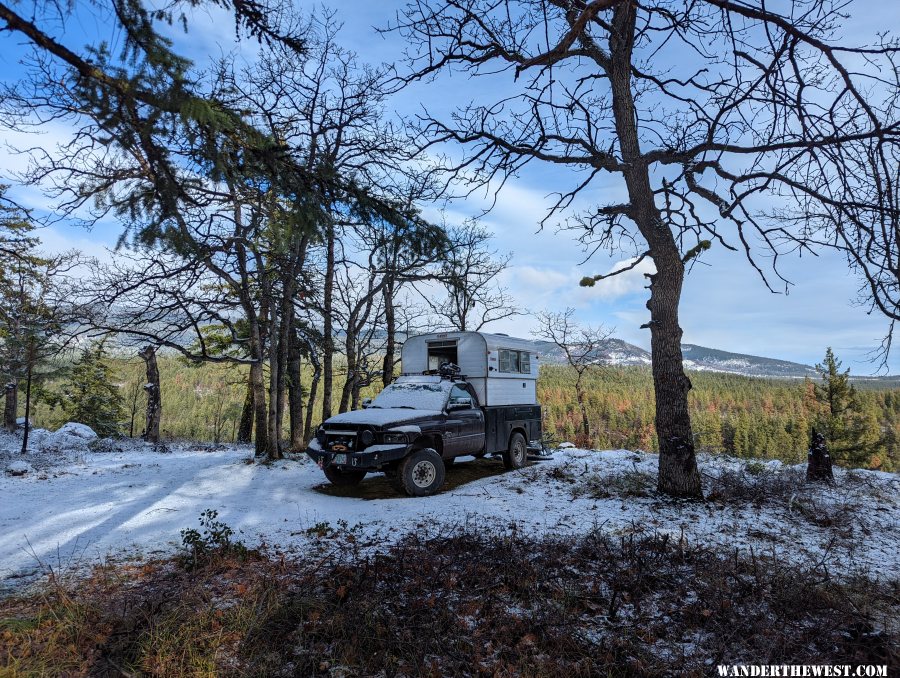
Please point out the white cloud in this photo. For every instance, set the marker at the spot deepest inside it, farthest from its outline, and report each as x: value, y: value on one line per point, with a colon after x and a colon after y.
x: 628, y: 282
x: 561, y: 288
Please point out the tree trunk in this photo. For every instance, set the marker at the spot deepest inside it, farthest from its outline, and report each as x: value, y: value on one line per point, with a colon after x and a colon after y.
x: 154, y: 395
x: 257, y: 382
x: 585, y: 425
x: 135, y: 395
x: 245, y: 429
x: 818, y: 461
x: 295, y: 394
x: 350, y: 349
x: 273, y: 446
x: 11, y: 405
x: 327, y: 327
x: 390, y: 349
x: 678, y: 472
x: 28, y: 398
x: 313, y: 392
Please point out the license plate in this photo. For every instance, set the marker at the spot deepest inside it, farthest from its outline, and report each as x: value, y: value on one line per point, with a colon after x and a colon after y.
x: 339, y: 459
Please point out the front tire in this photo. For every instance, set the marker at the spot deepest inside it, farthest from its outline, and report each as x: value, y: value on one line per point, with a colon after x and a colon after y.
x: 422, y: 473
x: 343, y: 478
x: 517, y: 454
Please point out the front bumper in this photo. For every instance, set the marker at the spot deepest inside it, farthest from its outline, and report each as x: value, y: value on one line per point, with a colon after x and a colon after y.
x: 371, y: 458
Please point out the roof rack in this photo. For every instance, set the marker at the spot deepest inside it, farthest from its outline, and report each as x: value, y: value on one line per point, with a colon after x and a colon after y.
x: 445, y: 371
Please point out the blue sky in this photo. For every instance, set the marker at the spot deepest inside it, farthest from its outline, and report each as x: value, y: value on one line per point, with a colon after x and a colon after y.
x: 725, y: 304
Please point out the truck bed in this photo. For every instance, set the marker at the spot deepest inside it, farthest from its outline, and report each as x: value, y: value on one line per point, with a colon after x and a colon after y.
x: 499, y: 422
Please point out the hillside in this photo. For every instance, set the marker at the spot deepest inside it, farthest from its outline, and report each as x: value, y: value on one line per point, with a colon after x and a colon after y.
x: 696, y: 358
x: 731, y: 413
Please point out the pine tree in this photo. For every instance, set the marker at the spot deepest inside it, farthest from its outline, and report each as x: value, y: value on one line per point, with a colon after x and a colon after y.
x: 852, y: 431
x: 90, y: 396
x: 31, y: 314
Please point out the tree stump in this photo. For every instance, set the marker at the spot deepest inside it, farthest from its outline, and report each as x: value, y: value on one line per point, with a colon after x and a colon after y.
x: 818, y: 461
x: 154, y: 396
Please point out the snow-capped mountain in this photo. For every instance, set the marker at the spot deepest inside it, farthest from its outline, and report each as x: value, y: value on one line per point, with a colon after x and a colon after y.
x: 714, y: 360
x: 699, y: 358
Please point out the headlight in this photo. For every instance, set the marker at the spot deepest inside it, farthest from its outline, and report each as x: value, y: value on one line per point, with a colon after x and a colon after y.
x: 395, y: 438
x: 366, y: 438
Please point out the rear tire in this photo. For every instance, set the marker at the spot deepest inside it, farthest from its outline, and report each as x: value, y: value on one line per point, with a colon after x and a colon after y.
x: 343, y: 478
x: 448, y: 462
x: 422, y: 473
x: 517, y: 454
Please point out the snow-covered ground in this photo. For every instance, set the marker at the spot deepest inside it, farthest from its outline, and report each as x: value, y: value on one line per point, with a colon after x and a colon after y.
x: 76, y: 508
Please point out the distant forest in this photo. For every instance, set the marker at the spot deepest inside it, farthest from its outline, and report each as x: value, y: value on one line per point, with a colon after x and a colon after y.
x: 740, y: 416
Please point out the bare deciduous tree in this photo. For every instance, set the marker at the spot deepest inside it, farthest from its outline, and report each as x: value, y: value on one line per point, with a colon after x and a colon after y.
x: 583, y: 348
x: 469, y: 275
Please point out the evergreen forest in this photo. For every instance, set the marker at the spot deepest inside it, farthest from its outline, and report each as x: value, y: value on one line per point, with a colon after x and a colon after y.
x: 745, y: 417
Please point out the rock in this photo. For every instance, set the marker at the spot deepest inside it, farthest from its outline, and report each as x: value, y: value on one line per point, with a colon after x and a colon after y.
x: 20, y: 422
x: 77, y: 430
x: 19, y: 468
x: 70, y: 436
x: 106, y: 445
x: 566, y: 446
x: 36, y: 439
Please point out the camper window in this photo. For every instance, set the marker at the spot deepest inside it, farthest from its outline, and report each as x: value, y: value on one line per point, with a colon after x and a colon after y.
x: 518, y: 362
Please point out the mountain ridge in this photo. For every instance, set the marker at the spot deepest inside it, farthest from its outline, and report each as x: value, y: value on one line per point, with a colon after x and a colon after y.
x: 617, y: 352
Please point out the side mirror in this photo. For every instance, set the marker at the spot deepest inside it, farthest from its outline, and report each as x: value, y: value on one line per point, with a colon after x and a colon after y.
x: 366, y: 403
x: 460, y: 404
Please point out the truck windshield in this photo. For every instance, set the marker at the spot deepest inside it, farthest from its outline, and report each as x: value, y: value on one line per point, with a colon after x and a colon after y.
x: 416, y: 396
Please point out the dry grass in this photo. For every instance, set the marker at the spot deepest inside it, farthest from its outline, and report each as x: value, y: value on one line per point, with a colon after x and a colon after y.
x: 463, y: 604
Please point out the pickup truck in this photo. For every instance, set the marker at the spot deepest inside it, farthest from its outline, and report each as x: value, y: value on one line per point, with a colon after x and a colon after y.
x: 416, y: 427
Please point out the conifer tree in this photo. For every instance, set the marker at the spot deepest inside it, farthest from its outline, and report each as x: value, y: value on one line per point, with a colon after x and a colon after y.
x: 31, y: 313
x: 90, y: 396
x: 851, y: 430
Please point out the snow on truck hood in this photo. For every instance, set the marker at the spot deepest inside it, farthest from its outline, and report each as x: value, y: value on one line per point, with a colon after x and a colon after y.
x: 381, y: 417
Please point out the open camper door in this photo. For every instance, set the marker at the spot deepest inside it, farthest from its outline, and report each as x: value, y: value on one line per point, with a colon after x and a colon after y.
x: 468, y: 350
x: 503, y: 370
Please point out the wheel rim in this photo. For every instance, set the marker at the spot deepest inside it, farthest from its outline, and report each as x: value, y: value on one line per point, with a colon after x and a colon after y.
x: 519, y: 451
x: 423, y: 474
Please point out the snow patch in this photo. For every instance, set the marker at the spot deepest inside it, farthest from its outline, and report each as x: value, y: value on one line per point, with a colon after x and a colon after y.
x: 19, y: 468
x: 90, y: 504
x: 408, y: 428
x: 379, y: 417
x: 71, y: 436
x: 416, y: 394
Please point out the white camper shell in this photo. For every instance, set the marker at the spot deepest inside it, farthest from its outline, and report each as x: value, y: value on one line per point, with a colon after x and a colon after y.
x: 503, y: 370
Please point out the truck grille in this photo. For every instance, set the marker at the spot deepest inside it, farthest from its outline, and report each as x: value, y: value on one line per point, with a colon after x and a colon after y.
x: 345, y: 439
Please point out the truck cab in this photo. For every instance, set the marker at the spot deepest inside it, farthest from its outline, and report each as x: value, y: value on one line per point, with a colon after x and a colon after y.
x: 417, y: 426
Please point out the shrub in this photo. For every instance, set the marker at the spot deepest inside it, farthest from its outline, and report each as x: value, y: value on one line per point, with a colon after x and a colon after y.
x: 210, y: 543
